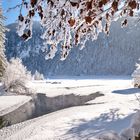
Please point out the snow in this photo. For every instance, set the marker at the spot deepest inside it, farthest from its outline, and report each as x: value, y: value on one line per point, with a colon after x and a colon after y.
x: 10, y: 103
x: 84, y: 86
x: 107, y: 115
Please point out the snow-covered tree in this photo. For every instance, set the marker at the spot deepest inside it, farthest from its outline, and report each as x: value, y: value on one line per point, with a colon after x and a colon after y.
x: 3, y: 60
x: 72, y: 22
x: 38, y: 76
x: 16, y: 76
x: 136, y: 76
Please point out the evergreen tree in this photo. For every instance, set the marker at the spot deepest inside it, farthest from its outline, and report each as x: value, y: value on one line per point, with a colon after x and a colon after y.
x: 3, y: 59
x: 38, y: 76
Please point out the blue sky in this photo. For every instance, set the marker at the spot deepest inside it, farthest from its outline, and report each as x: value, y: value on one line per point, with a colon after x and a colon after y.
x: 13, y: 14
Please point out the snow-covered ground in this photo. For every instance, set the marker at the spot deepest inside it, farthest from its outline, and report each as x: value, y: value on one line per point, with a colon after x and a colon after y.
x: 83, y: 86
x: 10, y: 103
x: 113, y: 111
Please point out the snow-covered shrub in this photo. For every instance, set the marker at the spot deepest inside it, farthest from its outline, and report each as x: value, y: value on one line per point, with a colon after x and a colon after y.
x: 38, y: 76
x: 16, y: 76
x: 136, y: 76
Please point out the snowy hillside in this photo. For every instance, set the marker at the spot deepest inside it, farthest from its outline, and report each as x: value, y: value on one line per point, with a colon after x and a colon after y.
x: 113, y: 55
x: 111, y: 112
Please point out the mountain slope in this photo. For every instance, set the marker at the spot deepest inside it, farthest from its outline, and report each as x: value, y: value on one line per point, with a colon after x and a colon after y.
x: 113, y: 55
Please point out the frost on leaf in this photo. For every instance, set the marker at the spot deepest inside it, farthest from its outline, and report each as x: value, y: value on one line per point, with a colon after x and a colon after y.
x: 69, y: 22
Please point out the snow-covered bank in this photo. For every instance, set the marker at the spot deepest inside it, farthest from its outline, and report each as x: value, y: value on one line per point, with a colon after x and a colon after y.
x: 80, y: 122
x: 15, y: 109
x: 112, y: 112
x: 10, y: 103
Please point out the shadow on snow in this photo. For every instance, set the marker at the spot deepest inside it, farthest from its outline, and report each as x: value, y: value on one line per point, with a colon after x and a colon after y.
x: 127, y: 91
x: 105, y: 122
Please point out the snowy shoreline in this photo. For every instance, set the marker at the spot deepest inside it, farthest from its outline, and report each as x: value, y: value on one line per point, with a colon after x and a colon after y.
x: 111, y: 112
x: 89, y: 77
